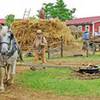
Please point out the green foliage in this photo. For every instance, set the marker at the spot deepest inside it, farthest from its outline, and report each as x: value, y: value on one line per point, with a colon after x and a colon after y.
x: 59, y: 9
x: 59, y: 81
x: 9, y: 19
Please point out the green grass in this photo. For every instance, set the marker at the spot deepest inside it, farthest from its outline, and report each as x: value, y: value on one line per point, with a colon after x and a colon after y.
x: 58, y: 81
x: 91, y: 58
x: 28, y: 59
x: 78, y: 59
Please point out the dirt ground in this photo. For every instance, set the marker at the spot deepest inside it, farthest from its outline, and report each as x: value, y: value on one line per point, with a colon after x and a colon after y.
x: 15, y: 92
x: 18, y: 93
x: 74, y: 63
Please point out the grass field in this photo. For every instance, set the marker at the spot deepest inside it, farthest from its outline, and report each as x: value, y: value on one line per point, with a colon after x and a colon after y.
x: 58, y: 81
x: 90, y: 59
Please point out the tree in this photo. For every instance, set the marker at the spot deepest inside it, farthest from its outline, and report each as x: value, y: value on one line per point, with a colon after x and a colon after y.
x: 58, y: 9
x: 9, y: 19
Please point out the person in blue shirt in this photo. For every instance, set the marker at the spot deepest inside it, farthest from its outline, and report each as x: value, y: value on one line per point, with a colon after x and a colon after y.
x: 85, y: 38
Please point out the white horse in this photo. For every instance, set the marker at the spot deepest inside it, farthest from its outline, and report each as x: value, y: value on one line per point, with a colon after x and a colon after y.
x: 8, y: 56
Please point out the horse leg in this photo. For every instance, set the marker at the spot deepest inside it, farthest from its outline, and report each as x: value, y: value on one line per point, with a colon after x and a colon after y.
x: 8, y: 72
x: 13, y: 71
x: 2, y: 75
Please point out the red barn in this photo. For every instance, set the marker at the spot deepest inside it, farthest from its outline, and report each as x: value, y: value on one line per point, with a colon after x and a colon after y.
x: 93, y: 24
x: 2, y: 21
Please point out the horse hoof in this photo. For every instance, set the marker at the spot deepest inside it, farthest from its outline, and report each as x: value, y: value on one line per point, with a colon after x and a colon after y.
x: 12, y: 82
x: 9, y: 82
x: 2, y: 89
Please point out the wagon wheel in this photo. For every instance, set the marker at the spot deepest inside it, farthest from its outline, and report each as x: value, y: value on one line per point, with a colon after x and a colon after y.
x: 92, y: 47
x: 86, y: 48
x: 89, y: 47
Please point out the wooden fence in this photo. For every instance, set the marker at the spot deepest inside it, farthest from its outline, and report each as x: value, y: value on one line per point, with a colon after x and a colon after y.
x: 56, y: 49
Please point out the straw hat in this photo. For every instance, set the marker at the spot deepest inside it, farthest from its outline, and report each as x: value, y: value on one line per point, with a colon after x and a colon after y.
x: 39, y: 31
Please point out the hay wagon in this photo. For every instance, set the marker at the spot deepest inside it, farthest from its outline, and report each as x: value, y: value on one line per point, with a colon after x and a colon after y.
x: 94, y: 44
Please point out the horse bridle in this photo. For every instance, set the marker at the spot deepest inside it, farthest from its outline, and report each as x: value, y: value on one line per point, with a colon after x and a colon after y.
x: 3, y: 56
x: 4, y: 43
x: 9, y: 44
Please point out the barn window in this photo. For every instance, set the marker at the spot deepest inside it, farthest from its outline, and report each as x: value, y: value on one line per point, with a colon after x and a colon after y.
x: 87, y: 28
x: 80, y: 28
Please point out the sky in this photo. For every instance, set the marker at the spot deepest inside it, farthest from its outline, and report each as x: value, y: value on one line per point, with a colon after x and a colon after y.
x: 84, y: 8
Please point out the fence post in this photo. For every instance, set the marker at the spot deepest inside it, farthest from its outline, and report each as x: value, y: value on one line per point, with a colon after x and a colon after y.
x: 48, y: 51
x: 94, y: 48
x: 61, y: 46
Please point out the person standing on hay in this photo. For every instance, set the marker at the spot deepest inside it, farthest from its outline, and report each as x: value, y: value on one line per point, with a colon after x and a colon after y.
x: 42, y: 14
x: 39, y: 46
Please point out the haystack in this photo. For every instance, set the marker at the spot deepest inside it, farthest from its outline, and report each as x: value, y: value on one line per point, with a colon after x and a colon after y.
x: 76, y: 31
x: 25, y: 31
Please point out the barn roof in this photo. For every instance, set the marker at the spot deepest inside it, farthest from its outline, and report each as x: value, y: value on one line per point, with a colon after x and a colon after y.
x: 85, y: 20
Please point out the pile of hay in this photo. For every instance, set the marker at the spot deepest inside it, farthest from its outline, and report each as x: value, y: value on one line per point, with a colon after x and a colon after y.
x: 53, y: 29
x: 76, y: 31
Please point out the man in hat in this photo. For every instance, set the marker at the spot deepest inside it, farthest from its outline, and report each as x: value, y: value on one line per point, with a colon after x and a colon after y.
x: 39, y: 46
x: 42, y: 13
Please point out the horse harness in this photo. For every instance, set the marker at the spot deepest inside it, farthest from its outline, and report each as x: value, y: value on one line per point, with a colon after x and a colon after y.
x: 6, y: 56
